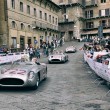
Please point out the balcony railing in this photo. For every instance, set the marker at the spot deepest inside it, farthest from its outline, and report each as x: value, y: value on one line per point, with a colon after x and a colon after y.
x: 92, y: 3
x: 66, y: 20
x: 37, y: 24
x: 105, y: 26
x: 72, y: 2
x: 95, y: 16
x: 75, y: 1
x: 52, y: 27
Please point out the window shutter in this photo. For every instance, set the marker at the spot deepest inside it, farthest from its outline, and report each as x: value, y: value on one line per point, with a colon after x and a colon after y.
x: 106, y: 12
x: 99, y: 13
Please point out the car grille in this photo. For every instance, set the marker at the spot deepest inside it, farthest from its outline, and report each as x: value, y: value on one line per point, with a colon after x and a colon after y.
x: 11, y: 81
x: 55, y: 60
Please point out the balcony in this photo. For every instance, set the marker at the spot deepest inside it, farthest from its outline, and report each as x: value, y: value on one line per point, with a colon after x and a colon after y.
x: 66, y: 21
x: 75, y: 1
x: 92, y: 3
x: 44, y: 26
x: 95, y: 16
x: 39, y: 25
x: 95, y: 27
x: 71, y: 3
x: 52, y: 27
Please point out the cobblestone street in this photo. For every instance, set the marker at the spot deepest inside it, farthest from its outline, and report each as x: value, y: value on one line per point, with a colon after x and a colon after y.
x: 69, y: 86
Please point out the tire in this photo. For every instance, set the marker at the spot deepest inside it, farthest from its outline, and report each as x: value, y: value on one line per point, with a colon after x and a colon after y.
x: 36, y: 85
x: 67, y: 59
x: 49, y: 62
x: 108, y: 84
x: 46, y: 75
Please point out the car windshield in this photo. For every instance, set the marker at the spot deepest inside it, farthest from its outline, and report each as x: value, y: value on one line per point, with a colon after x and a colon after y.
x: 58, y: 53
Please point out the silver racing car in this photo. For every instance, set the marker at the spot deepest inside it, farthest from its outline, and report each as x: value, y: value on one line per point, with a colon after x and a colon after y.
x: 23, y: 74
x: 58, y: 56
x: 70, y: 49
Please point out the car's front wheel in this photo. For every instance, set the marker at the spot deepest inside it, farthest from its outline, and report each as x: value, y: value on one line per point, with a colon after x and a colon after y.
x: 108, y: 84
x: 36, y: 84
x: 45, y: 74
x: 49, y: 62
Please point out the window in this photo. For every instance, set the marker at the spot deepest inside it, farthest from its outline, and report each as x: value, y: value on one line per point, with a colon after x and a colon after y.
x: 63, y: 10
x: 109, y: 22
x: 28, y: 9
x: 46, y: 16
x: 103, y: 1
x: 89, y: 14
x: 103, y: 23
x: 56, y: 21
x: 101, y: 12
x: 89, y: 25
x: 29, y: 28
x: 40, y: 14
x: 50, y: 18
x: 53, y: 19
x: 13, y: 24
x: 65, y: 17
x: 34, y: 11
x: 22, y: 26
x: 107, y: 12
x: 21, y: 6
x: 13, y: 4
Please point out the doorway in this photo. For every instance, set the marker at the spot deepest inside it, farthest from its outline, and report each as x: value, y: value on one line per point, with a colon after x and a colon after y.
x: 29, y: 41
x: 22, y: 43
x: 70, y: 35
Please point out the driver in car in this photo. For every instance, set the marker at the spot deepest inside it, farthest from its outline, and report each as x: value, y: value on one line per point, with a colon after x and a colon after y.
x: 35, y: 61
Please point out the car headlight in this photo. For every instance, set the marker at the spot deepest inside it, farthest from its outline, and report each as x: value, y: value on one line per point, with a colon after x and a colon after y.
x: 31, y: 75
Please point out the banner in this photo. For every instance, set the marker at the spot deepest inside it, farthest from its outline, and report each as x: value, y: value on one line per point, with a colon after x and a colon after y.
x: 11, y: 58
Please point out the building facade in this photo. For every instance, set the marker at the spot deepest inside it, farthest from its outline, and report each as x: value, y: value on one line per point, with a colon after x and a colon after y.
x: 25, y: 22
x: 82, y: 18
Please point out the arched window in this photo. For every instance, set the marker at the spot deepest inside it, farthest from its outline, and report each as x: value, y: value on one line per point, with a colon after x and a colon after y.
x: 13, y: 24
x: 13, y: 4
x: 22, y: 26
x: 29, y: 28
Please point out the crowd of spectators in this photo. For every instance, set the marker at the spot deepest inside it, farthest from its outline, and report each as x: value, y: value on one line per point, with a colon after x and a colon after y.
x: 45, y: 49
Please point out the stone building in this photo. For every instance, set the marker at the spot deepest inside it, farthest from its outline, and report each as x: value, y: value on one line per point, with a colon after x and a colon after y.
x: 82, y: 18
x: 25, y: 22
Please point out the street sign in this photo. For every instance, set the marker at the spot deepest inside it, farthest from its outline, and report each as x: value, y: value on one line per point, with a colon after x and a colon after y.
x: 100, y: 31
x: 35, y: 41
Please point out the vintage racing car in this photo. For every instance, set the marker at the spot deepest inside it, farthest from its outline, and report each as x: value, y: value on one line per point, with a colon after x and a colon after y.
x: 70, y: 49
x: 23, y: 74
x: 58, y: 56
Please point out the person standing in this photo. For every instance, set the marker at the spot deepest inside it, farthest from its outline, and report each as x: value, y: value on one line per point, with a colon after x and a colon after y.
x: 37, y: 52
x: 31, y: 52
x: 44, y: 48
x: 47, y: 51
x: 52, y: 47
